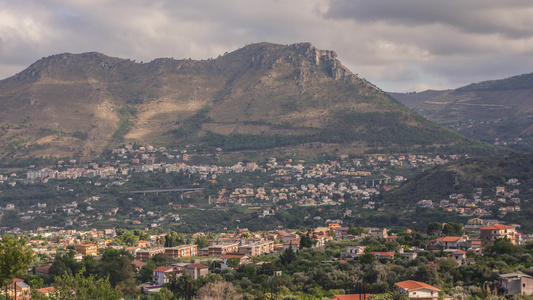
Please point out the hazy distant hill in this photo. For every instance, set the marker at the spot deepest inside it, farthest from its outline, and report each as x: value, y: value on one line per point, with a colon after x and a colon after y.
x: 496, y: 111
x: 464, y: 175
x: 261, y: 96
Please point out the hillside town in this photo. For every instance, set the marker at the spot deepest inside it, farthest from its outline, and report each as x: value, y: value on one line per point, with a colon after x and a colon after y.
x: 230, y: 252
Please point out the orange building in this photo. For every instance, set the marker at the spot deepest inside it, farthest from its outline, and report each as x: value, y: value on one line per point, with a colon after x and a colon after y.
x: 182, y: 251
x: 488, y: 235
x: 221, y: 249
x: 87, y: 249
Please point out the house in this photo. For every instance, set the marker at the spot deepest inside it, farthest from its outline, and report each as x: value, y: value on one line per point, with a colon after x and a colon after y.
x: 133, y: 250
x: 243, y: 259
x: 352, y: 297
x: 516, y: 283
x: 18, y: 288
x: 418, y: 290
x: 353, y: 251
x: 459, y: 256
x: 341, y: 233
x: 379, y: 255
x: 197, y: 270
x: 450, y: 242
x: 161, y: 275
x: 290, y: 237
x: 490, y: 234
x: 46, y: 290
x: 44, y: 270
x: 295, y: 245
x: 87, y: 249
x: 143, y: 244
x: 409, y: 255
x: 138, y: 265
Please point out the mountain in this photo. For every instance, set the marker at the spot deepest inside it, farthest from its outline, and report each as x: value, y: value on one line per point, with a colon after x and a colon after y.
x: 495, y: 111
x: 260, y: 96
x: 463, y: 176
x: 510, y: 172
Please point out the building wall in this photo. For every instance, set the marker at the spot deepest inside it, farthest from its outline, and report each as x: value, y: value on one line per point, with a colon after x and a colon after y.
x: 489, y: 236
x: 423, y: 294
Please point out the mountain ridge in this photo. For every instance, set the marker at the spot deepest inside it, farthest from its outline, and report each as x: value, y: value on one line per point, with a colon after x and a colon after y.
x: 84, y: 103
x: 493, y: 111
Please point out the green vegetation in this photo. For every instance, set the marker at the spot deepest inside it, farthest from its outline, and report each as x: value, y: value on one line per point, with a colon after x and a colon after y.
x: 463, y: 176
x: 80, y: 135
x: 237, y: 142
x: 15, y: 257
x: 125, y: 114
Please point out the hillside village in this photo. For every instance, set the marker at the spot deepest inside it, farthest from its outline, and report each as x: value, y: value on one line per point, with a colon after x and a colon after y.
x: 161, y: 259
x: 244, y: 250
x: 293, y: 183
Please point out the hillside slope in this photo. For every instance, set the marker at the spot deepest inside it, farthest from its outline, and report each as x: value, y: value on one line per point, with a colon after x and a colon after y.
x: 496, y: 111
x: 464, y: 175
x: 263, y: 95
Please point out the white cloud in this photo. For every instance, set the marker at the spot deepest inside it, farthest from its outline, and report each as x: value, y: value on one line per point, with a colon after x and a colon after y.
x: 395, y: 44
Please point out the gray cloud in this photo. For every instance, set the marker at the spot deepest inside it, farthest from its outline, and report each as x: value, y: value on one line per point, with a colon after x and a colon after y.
x: 398, y: 45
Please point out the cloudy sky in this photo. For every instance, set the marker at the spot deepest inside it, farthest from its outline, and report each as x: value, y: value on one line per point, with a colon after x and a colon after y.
x: 400, y: 45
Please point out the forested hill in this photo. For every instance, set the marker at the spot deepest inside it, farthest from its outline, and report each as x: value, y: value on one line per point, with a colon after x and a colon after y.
x: 463, y: 176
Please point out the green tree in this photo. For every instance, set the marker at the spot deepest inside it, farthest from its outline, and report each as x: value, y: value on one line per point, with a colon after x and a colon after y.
x: 164, y: 294
x: 306, y: 241
x: 202, y: 242
x: 116, y: 265
x: 355, y: 230
x: 502, y: 246
x: 80, y: 287
x: 65, y: 263
x: 233, y: 262
x: 453, y: 229
x: 433, y: 228
x: 15, y: 258
x: 287, y: 256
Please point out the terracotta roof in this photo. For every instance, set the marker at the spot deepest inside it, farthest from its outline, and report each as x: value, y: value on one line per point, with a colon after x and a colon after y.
x: 460, y: 251
x: 449, y: 238
x: 199, y: 266
x: 498, y: 227
x: 44, y: 269
x: 46, y: 290
x: 384, y: 254
x: 352, y: 297
x: 293, y: 242
x: 411, y: 285
x: 163, y: 269
x: 138, y: 263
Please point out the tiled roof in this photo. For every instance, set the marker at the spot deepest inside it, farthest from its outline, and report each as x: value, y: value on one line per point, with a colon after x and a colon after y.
x: 411, y: 285
x: 163, y: 269
x: 352, y: 297
x: 498, y: 227
x: 449, y: 239
x: 199, y: 266
x: 46, y: 290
